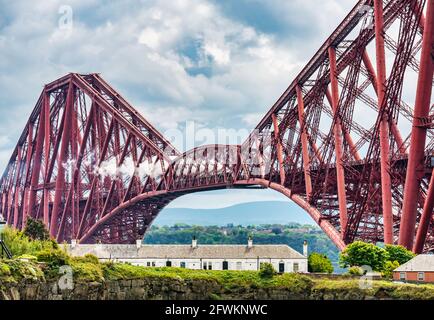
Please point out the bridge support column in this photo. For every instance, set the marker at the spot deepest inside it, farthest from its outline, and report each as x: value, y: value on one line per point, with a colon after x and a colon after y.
x: 47, y: 135
x: 60, y: 179
x: 304, y: 143
x: 25, y: 202
x: 279, y: 149
x: 340, y: 173
x: 386, y: 186
x: 36, y: 170
x: 425, y: 220
x: 418, y: 134
x: 17, y: 189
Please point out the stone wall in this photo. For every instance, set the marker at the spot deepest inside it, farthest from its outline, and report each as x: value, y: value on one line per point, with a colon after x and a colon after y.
x: 143, y: 289
x: 178, y: 289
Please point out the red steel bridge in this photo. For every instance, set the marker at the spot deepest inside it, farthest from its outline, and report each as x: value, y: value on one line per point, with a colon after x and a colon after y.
x: 350, y: 141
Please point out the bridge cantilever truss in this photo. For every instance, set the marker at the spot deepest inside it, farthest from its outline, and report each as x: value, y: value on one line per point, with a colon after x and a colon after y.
x: 350, y: 141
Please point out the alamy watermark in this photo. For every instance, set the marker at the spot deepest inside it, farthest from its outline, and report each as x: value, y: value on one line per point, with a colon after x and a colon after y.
x: 66, y: 21
x: 366, y: 9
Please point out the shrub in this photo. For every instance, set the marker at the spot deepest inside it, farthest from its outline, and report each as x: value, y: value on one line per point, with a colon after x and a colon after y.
x: 19, y: 244
x: 87, y: 271
x: 35, y: 229
x: 296, y: 283
x: 88, y: 258
x: 53, y: 258
x: 389, y: 266
x: 361, y: 253
x: 399, y: 254
x: 4, y: 269
x: 267, y: 270
x: 28, y: 257
x: 320, y: 263
x: 355, y: 271
x: 114, y: 271
x: 24, y: 270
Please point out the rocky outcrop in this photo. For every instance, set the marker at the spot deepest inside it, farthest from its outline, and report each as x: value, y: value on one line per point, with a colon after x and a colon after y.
x: 139, y: 289
x: 161, y: 288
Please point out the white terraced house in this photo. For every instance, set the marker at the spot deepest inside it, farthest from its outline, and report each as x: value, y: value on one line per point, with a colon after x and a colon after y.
x: 196, y: 256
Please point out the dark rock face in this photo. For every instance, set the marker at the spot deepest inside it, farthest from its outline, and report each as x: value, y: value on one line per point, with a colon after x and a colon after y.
x: 165, y: 289
x: 137, y: 289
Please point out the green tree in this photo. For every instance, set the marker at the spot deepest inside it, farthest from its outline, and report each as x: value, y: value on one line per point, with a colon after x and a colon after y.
x: 320, y: 263
x: 389, y: 266
x: 399, y: 253
x: 267, y: 270
x: 360, y: 253
x: 36, y: 230
x: 276, y: 230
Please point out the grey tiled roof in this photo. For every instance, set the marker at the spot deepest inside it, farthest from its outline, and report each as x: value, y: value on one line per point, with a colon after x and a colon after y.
x: 186, y: 251
x: 422, y: 262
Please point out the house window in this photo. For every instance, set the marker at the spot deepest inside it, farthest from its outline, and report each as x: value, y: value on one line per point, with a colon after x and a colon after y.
x: 168, y: 263
x: 204, y: 266
x: 421, y: 276
x: 209, y: 265
x: 225, y: 265
x: 239, y: 265
x: 296, y: 267
x: 402, y: 276
x: 148, y: 264
x: 182, y: 264
x: 281, y: 267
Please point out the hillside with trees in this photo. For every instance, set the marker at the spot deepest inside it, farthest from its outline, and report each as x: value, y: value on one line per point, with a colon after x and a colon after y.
x: 292, y: 234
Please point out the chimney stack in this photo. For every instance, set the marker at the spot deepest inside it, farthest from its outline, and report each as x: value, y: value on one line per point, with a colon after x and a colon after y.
x: 139, y: 243
x: 305, y: 248
x: 194, y: 242
x: 250, y: 242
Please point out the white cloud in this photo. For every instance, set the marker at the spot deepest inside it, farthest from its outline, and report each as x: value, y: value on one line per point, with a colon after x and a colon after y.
x: 147, y: 50
x: 150, y: 37
x: 225, y: 198
x: 4, y: 140
x: 220, y: 55
x: 252, y: 119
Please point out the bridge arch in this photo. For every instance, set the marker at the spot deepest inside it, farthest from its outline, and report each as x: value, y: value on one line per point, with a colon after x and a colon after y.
x: 324, y: 224
x: 358, y: 180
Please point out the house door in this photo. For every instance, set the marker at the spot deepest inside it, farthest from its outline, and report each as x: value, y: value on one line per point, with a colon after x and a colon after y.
x: 225, y: 265
x: 281, y: 267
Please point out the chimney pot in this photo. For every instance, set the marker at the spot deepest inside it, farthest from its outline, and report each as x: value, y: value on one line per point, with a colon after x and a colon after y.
x: 305, y: 251
x: 194, y: 242
x: 250, y: 243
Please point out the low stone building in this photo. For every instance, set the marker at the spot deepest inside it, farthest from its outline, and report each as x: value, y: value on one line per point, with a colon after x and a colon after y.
x: 195, y: 256
x: 418, y: 269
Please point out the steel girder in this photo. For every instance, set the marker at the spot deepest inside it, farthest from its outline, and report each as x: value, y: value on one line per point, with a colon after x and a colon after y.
x: 343, y: 141
x: 354, y: 119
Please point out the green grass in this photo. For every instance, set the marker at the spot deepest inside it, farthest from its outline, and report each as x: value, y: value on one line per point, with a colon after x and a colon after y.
x: 41, y: 260
x: 86, y: 269
x: 17, y: 270
x: 379, y: 289
x: 19, y: 244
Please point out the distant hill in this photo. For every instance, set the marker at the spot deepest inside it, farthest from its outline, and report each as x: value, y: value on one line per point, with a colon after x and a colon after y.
x: 253, y: 213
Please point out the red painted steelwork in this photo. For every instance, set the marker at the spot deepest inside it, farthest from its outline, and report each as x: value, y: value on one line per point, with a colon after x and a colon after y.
x: 93, y: 169
x: 418, y: 136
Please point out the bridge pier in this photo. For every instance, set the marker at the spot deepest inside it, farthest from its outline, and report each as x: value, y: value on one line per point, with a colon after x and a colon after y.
x: 418, y: 135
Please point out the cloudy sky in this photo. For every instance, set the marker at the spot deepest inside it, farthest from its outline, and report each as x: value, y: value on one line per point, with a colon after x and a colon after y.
x: 220, y: 63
